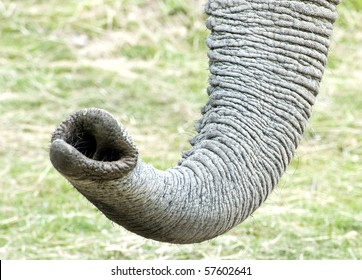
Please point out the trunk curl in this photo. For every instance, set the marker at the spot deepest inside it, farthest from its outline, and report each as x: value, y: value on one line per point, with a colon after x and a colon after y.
x: 266, y: 62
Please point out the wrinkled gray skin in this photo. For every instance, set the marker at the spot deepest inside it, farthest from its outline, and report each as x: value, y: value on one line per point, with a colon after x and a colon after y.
x: 266, y: 62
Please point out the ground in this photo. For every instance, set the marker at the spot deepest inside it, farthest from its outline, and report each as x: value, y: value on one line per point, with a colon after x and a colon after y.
x: 145, y: 62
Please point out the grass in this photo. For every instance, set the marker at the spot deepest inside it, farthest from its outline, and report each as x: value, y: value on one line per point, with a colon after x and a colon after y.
x: 145, y: 62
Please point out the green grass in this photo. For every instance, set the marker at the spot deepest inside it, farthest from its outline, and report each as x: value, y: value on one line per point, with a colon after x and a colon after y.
x: 145, y: 62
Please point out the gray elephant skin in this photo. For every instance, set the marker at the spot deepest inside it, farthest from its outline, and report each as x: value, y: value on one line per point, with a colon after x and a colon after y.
x: 266, y: 61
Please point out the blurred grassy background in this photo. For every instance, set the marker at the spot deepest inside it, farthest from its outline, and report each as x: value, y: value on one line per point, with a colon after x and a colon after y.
x: 145, y: 62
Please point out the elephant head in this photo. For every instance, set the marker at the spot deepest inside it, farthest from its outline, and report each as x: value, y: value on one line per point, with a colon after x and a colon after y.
x: 266, y: 61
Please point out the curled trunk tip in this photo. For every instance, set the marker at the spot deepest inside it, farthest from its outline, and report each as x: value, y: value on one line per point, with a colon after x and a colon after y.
x: 91, y: 144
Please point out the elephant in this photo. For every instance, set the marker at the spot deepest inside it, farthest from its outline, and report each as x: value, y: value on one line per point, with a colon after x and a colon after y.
x: 266, y: 62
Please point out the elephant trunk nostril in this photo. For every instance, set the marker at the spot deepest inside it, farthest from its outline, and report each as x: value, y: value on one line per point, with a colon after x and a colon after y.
x: 109, y: 155
x: 93, y: 148
x: 84, y: 142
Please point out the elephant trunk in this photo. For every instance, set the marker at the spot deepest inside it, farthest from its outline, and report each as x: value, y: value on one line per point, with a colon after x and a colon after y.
x: 266, y: 62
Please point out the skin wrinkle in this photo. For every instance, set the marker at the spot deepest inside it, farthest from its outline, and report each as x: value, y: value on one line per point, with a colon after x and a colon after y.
x: 251, y: 129
x: 276, y: 12
x: 223, y: 147
x: 174, y: 219
x: 181, y: 214
x: 202, y: 172
x: 223, y: 126
x: 218, y: 156
x: 262, y: 135
x: 189, y: 196
x: 266, y: 101
x: 192, y: 196
x: 266, y: 61
x: 233, y: 154
x: 228, y: 149
x: 214, y: 155
x: 287, y: 120
x: 247, y: 160
x: 259, y: 69
x: 310, y: 85
x: 276, y: 34
x: 204, y: 159
x: 226, y: 157
x: 193, y: 201
x: 295, y: 56
x: 279, y: 88
x: 281, y: 27
x: 289, y: 66
x: 136, y: 210
x: 294, y: 101
x: 297, y: 7
x: 172, y: 199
